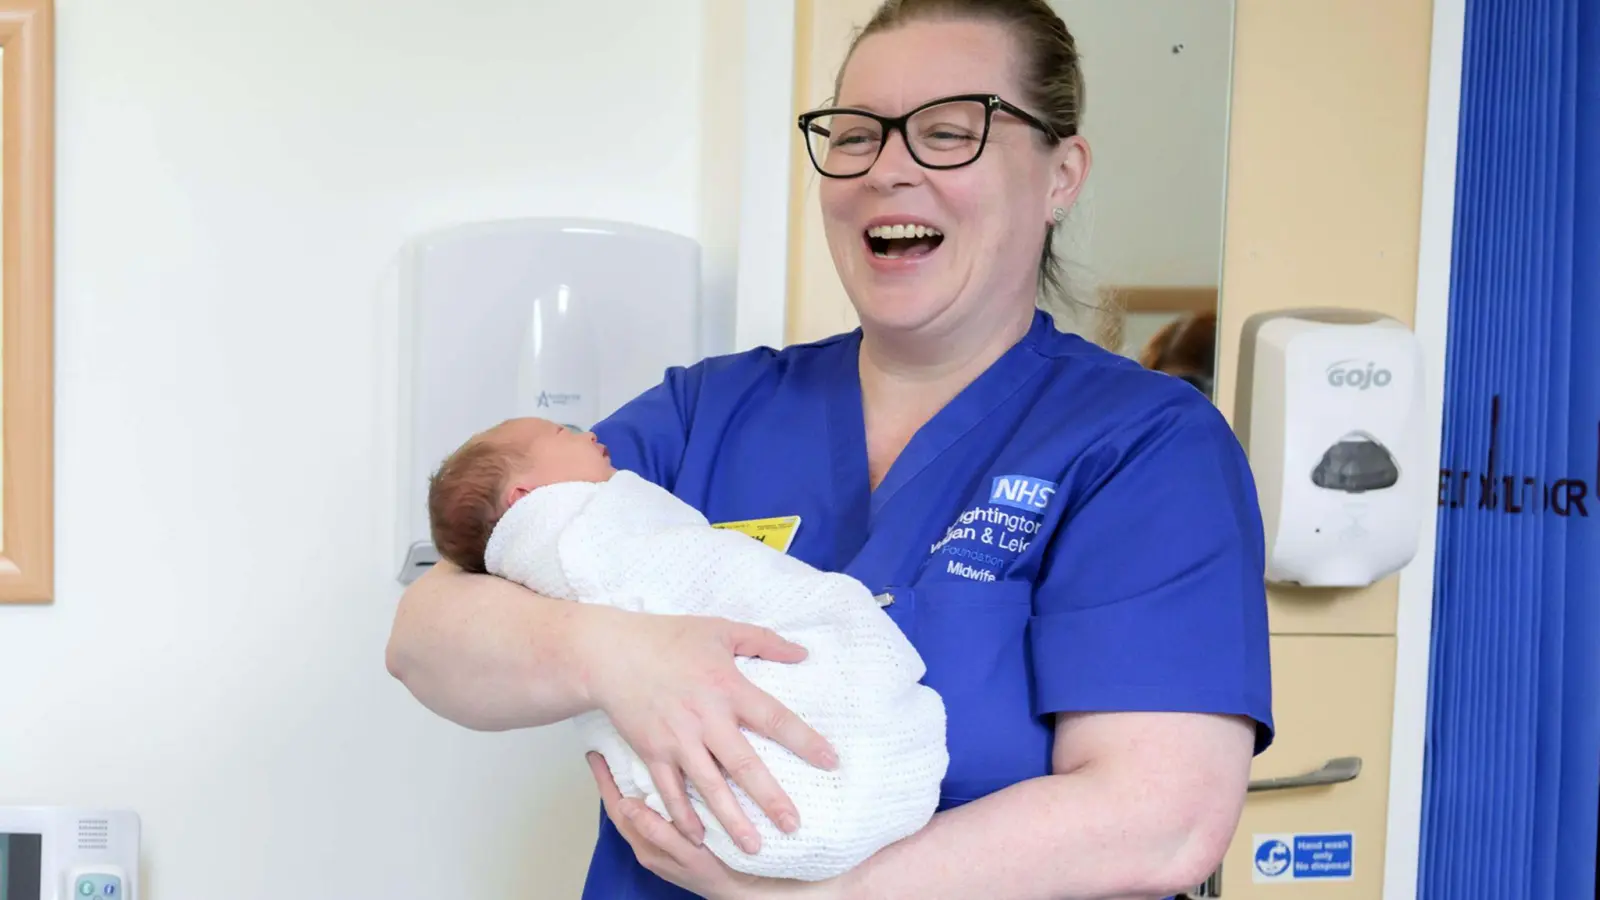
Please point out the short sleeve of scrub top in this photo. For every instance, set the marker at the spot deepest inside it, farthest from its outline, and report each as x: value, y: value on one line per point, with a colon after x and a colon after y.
x: 1158, y: 561
x: 1071, y: 533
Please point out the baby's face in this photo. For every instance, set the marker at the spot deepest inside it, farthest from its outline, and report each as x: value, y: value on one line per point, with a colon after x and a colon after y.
x: 551, y: 453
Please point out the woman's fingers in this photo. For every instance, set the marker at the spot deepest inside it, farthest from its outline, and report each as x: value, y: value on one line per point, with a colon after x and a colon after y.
x: 752, y: 640
x: 764, y: 715
x: 656, y: 833
x: 738, y: 758
x: 670, y: 785
x: 603, y: 780
x: 678, y: 698
x: 702, y: 770
x: 653, y: 842
x: 758, y: 711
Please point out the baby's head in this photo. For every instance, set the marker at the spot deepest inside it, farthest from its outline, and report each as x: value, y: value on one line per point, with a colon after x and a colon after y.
x: 477, y: 483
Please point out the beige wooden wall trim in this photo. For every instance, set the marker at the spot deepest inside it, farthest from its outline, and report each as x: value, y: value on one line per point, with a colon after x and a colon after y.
x: 1142, y: 299
x: 27, y: 216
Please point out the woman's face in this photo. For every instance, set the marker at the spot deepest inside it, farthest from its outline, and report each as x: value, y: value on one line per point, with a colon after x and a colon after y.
x: 992, y: 214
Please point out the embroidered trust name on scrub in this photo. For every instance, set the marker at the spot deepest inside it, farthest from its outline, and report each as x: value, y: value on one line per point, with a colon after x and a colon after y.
x: 986, y: 537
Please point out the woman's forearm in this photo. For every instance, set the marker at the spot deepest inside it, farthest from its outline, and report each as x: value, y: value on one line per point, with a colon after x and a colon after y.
x: 1131, y: 817
x: 489, y: 654
x: 1061, y: 837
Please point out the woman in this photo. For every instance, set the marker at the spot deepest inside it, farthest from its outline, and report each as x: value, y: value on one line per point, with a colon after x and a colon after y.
x: 1071, y: 541
x: 1186, y: 348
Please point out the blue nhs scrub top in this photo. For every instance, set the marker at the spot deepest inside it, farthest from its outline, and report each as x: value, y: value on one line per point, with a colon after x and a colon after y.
x: 1072, y: 532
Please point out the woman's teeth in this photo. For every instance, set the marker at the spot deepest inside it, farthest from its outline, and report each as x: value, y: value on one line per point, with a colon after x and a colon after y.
x: 895, y: 233
x: 894, y: 241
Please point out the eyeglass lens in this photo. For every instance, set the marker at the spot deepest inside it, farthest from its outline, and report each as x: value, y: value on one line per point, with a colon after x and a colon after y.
x: 949, y: 134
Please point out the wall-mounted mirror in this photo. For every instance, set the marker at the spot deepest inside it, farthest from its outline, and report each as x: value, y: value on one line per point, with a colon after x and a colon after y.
x: 27, y: 232
x: 1145, y: 240
x: 1142, y: 248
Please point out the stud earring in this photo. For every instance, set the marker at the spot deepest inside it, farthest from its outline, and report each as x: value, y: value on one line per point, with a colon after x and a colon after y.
x: 1060, y: 214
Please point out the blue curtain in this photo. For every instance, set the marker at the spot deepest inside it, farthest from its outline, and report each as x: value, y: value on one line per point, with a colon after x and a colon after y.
x: 1512, y: 779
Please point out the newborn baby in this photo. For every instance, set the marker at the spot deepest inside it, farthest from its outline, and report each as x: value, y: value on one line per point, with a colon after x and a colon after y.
x: 532, y: 502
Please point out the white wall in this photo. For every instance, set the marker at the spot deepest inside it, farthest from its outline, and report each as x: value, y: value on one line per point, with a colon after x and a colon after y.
x: 235, y: 180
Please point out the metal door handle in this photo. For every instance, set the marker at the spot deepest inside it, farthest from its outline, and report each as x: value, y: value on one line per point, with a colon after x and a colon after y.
x: 1212, y: 888
x: 1334, y: 771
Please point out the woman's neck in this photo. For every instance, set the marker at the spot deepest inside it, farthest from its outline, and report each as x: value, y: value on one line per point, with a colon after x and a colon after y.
x: 907, y: 379
x: 932, y: 364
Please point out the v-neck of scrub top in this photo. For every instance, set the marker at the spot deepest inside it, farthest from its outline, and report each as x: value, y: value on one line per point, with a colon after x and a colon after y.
x: 865, y: 508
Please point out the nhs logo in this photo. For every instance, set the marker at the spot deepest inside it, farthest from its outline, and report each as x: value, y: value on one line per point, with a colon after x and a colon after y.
x: 1022, y: 492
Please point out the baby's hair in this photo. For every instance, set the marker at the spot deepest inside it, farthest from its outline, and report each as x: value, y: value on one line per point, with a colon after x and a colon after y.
x: 466, y: 498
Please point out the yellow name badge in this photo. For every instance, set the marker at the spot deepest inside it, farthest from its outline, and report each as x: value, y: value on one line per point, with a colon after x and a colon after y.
x: 777, y: 532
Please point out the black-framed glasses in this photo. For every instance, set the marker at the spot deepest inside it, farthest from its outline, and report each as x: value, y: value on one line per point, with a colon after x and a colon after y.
x: 946, y: 133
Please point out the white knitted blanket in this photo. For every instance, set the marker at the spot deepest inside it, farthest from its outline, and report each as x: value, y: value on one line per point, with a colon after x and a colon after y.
x: 630, y: 544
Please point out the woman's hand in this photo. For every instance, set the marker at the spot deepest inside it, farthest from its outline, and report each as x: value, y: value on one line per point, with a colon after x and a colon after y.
x: 661, y: 849
x: 670, y: 686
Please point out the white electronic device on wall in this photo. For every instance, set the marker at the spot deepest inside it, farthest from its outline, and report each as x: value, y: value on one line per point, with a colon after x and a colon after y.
x: 1330, y: 412
x: 62, y: 853
x: 565, y: 319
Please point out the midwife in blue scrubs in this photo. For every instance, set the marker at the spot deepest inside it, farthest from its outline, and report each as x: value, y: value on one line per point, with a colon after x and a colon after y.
x: 1071, y: 541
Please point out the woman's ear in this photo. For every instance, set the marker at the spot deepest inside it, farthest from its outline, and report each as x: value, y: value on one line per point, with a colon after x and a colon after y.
x: 1070, y: 161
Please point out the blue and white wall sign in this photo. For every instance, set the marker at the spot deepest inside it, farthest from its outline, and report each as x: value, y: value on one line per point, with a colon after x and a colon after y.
x: 1277, y: 858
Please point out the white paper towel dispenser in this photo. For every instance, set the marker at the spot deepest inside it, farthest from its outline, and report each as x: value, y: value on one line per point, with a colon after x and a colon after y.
x: 1330, y: 414
x: 566, y: 319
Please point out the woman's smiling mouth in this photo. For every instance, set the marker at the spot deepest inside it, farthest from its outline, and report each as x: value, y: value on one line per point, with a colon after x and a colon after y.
x: 902, y: 240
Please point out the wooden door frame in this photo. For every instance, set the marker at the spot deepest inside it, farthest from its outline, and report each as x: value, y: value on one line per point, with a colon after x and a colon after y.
x: 27, y: 301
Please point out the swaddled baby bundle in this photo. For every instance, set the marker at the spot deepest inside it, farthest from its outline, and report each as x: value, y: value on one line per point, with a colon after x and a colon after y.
x: 630, y: 544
